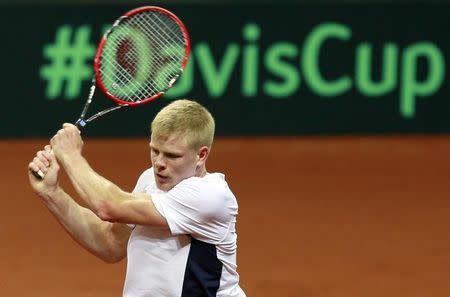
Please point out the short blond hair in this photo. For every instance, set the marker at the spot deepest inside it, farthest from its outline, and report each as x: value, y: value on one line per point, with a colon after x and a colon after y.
x: 188, y: 119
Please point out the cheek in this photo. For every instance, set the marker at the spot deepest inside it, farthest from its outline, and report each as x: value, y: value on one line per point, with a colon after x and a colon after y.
x: 184, y: 168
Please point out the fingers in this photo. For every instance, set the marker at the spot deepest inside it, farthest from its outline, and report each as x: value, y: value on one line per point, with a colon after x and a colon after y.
x: 40, y: 163
x: 67, y: 130
x: 66, y: 141
x: 48, y: 153
x: 71, y: 127
x: 44, y: 157
x: 33, y: 167
x: 34, y: 170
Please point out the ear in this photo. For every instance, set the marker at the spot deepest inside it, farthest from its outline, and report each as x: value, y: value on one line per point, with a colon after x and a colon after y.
x: 202, y: 155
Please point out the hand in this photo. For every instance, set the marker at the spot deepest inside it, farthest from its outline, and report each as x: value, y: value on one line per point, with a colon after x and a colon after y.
x: 46, y: 162
x: 66, y: 142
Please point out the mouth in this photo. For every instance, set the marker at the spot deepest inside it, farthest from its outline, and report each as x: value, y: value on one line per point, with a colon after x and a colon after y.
x: 161, y: 177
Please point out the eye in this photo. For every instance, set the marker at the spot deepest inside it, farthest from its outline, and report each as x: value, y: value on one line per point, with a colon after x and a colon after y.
x: 172, y: 156
x: 154, y: 151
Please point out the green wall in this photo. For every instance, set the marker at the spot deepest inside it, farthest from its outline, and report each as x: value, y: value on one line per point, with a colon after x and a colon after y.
x: 262, y: 69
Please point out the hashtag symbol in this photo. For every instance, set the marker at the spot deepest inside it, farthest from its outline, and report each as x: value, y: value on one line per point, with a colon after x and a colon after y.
x: 68, y: 60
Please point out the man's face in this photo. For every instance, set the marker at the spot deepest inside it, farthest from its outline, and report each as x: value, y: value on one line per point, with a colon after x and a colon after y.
x: 172, y: 159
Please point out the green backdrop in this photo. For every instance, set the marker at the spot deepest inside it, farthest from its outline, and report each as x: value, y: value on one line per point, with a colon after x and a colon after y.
x: 262, y: 69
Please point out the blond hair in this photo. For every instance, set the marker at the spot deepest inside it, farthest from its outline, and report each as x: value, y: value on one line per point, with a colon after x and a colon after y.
x: 188, y: 119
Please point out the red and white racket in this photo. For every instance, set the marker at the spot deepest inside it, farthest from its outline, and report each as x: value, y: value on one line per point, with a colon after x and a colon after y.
x: 138, y: 59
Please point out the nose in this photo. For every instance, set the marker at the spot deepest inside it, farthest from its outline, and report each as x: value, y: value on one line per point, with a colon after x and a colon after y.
x: 159, y: 163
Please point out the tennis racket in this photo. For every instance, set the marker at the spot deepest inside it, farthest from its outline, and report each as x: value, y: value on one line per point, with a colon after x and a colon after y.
x: 138, y: 59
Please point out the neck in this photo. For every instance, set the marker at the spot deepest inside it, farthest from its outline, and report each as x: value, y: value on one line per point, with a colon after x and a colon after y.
x: 200, y: 171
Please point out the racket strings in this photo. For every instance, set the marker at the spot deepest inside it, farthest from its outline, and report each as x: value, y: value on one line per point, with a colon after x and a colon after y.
x: 129, y: 77
x: 142, y: 56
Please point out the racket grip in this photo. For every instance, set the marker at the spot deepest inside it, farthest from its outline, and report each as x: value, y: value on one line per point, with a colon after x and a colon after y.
x: 38, y: 174
x: 80, y: 123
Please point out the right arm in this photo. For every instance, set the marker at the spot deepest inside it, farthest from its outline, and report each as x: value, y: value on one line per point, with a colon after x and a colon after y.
x: 106, y: 240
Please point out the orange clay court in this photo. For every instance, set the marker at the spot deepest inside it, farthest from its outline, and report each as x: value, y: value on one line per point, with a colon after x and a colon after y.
x: 319, y: 217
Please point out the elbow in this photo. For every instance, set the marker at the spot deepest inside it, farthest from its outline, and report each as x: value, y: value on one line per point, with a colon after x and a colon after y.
x: 105, y: 210
x: 110, y: 256
x: 111, y: 259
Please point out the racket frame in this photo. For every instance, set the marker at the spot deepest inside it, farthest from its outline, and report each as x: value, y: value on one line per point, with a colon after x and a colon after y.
x: 102, y: 42
x: 97, y: 81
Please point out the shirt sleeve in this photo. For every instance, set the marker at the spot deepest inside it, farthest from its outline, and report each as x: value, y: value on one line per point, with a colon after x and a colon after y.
x: 196, y: 207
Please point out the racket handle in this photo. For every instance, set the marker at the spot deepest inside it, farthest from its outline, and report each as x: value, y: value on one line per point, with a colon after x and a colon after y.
x: 80, y: 123
x: 39, y: 174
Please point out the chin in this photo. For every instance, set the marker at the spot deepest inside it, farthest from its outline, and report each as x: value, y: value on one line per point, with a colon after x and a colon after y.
x: 164, y: 187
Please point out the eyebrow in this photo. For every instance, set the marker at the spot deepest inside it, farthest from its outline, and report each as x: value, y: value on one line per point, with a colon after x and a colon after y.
x: 173, y: 153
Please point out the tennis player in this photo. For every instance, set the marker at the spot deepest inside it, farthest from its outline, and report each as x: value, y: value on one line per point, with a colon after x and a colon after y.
x: 177, y: 227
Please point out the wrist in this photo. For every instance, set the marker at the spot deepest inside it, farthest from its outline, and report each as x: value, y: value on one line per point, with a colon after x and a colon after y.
x: 68, y: 158
x: 51, y: 193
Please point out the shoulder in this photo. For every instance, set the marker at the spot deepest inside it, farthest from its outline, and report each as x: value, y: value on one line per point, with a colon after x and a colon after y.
x: 214, y: 183
x: 146, y: 173
x: 145, y: 180
x: 212, y: 190
x: 201, y: 206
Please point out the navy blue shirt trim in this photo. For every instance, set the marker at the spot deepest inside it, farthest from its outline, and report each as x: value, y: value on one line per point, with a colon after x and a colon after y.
x: 203, y: 271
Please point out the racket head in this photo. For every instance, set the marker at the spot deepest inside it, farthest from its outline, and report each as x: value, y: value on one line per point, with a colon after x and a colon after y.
x: 141, y: 56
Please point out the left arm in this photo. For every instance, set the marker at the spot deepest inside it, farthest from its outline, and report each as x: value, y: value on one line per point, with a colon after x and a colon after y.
x: 104, y: 198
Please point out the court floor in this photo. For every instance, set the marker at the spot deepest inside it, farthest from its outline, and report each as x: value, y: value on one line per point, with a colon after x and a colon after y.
x: 319, y: 217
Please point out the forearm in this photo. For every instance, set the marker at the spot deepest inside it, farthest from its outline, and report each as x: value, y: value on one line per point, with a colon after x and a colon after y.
x: 107, y: 200
x: 94, y: 189
x: 85, y: 227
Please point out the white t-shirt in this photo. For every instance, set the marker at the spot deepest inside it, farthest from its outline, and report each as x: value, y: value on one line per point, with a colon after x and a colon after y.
x: 197, y: 257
